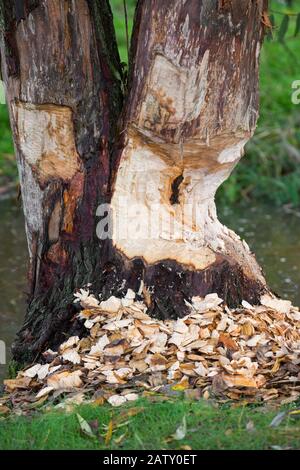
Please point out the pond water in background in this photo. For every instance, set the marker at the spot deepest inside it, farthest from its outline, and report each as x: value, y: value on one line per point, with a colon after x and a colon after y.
x: 13, y: 267
x: 272, y: 234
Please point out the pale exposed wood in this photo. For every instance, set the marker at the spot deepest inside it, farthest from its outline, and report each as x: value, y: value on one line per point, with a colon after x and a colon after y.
x: 193, y: 106
x: 47, y: 141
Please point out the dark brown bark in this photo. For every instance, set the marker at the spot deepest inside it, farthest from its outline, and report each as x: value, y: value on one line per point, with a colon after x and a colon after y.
x: 63, y: 76
x: 191, y: 106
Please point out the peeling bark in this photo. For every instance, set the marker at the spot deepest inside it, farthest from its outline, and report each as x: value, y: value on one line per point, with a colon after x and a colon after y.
x: 191, y: 106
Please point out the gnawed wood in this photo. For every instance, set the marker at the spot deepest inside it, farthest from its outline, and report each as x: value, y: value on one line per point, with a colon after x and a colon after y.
x: 46, y: 139
x: 192, y: 107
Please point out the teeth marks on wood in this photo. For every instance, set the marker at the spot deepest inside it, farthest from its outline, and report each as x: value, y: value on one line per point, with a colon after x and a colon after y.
x: 188, y: 89
x: 47, y: 141
x: 173, y: 95
x: 174, y: 199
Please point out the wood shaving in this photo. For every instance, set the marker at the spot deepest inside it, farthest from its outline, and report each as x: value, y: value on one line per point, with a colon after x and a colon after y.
x: 252, y: 352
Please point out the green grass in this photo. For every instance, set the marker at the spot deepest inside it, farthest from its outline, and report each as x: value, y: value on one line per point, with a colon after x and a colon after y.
x: 152, y: 428
x: 120, y: 24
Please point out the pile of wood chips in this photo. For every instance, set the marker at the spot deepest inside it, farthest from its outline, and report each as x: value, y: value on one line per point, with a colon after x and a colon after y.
x: 250, y: 353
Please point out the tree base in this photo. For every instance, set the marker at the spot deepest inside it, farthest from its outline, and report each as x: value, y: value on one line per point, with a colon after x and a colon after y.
x: 165, y: 287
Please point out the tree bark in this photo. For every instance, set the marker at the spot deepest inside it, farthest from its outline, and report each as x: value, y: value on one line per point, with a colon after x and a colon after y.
x: 191, y: 106
x: 63, y: 77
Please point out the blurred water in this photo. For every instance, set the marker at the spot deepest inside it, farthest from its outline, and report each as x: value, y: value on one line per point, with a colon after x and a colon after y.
x: 13, y: 267
x: 272, y: 234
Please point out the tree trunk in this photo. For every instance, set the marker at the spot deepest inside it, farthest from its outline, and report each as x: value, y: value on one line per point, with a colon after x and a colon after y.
x: 192, y: 105
x: 63, y: 81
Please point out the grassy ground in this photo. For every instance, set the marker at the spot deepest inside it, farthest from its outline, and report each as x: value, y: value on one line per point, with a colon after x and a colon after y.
x: 271, y: 171
x: 152, y: 425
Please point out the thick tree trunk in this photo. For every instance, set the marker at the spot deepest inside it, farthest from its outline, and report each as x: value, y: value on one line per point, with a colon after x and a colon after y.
x: 191, y: 107
x: 63, y: 77
x: 193, y: 104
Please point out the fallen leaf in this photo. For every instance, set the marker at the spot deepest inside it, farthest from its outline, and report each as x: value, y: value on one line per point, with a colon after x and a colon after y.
x: 71, y: 355
x: 111, y: 305
x: 294, y: 413
x: 180, y: 387
x: 117, y: 400
x: 239, y: 381
x: 85, y: 427
x: 65, y: 380
x: 282, y: 306
x: 18, y: 383
x: 109, y: 433
x: 99, y: 401
x: 181, y: 430
x: 278, y: 419
x: 276, y: 447
x: 45, y: 391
